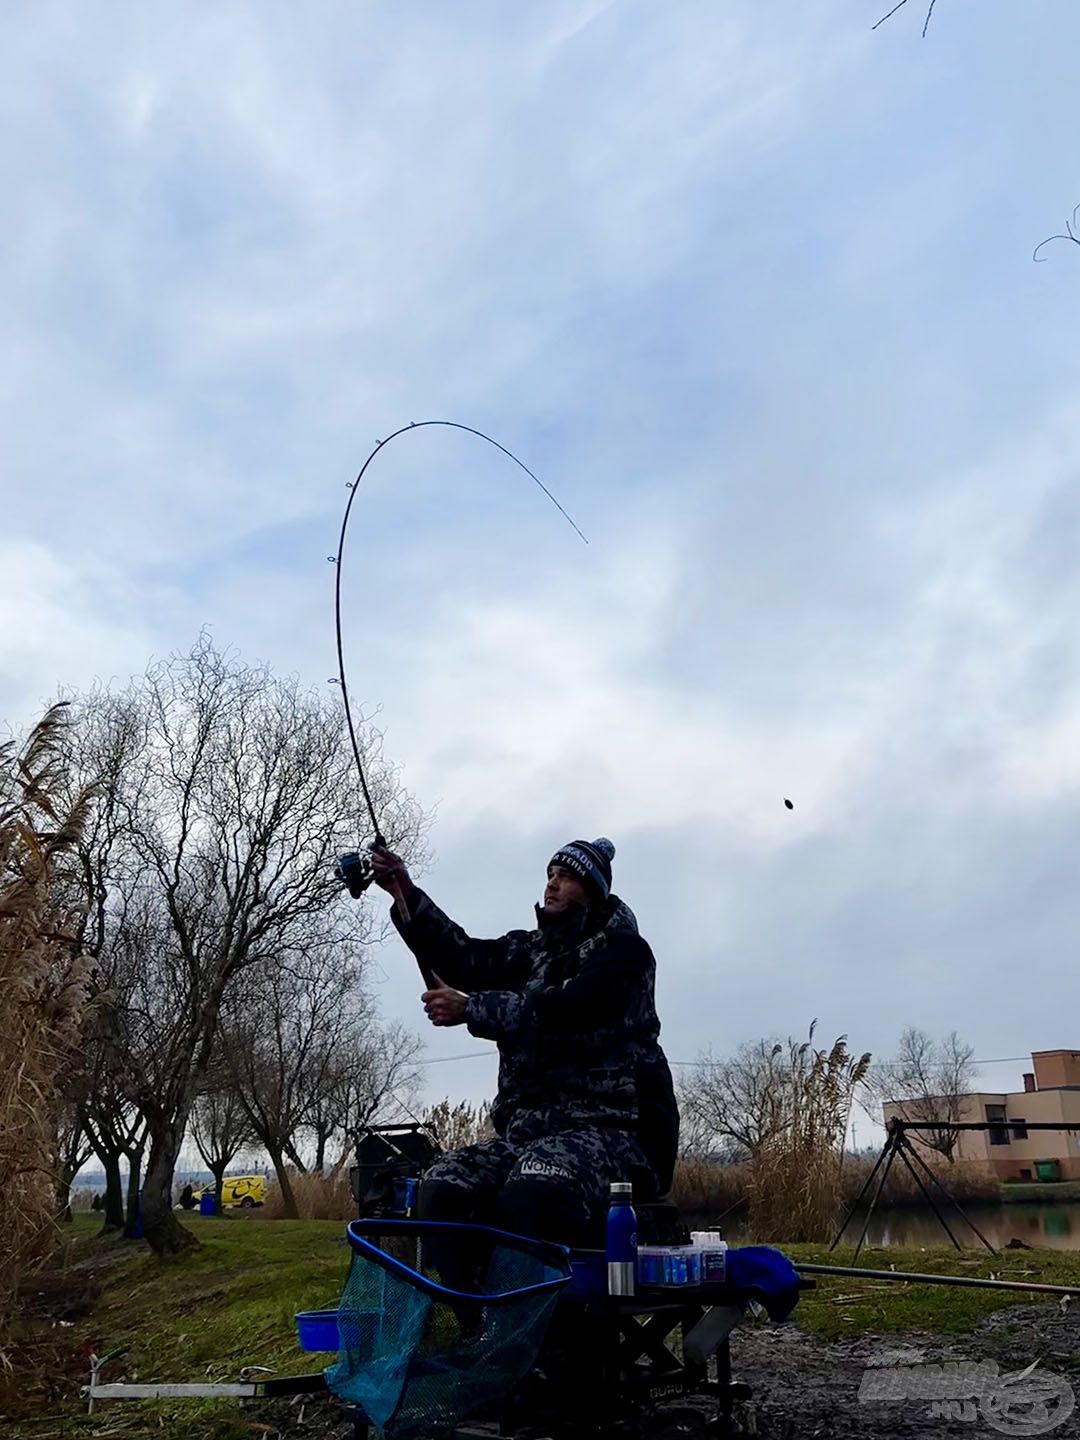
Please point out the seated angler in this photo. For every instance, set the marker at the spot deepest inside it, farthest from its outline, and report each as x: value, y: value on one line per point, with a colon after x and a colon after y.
x: 585, y: 1094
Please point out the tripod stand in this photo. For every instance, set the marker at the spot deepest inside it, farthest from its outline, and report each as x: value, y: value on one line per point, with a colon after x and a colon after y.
x: 897, y: 1143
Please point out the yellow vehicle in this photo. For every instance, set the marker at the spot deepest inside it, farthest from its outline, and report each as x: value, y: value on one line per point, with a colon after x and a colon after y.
x: 241, y: 1192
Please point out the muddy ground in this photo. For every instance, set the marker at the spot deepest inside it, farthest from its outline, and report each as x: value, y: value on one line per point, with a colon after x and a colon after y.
x: 807, y: 1389
x: 803, y: 1388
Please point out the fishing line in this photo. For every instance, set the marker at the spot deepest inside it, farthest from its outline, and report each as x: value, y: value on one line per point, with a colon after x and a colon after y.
x: 336, y: 560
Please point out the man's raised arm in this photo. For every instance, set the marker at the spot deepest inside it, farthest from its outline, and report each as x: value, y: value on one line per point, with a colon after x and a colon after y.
x: 440, y: 945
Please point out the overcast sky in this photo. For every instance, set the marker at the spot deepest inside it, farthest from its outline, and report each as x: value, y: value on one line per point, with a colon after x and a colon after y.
x: 751, y: 288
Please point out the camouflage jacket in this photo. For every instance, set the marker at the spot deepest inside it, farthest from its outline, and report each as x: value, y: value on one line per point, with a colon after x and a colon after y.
x: 569, y: 1004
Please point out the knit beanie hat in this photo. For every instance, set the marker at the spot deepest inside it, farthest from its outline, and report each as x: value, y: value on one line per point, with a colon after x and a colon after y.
x: 590, y: 861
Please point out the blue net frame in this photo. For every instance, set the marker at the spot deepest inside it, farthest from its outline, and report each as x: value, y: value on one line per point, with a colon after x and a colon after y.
x: 438, y: 1320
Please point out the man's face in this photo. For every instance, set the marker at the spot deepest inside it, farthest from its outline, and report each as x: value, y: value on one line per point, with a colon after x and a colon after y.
x: 563, y: 889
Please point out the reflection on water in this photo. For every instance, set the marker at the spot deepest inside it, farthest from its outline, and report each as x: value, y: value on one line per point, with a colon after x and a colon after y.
x: 1053, y: 1225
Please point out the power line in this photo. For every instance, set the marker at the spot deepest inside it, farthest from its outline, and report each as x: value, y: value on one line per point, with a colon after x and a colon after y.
x: 709, y: 1064
x: 445, y: 1059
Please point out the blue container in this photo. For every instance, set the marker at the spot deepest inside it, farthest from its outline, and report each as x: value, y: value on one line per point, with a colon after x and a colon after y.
x: 405, y: 1193
x: 317, y: 1329
x: 650, y: 1267
x: 588, y: 1277
x: 675, y: 1271
x: 208, y: 1203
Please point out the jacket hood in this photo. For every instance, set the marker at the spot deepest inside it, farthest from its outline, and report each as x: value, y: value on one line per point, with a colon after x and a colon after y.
x: 621, y: 917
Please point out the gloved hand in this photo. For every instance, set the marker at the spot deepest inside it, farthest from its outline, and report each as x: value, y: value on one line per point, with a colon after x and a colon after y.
x: 391, y: 873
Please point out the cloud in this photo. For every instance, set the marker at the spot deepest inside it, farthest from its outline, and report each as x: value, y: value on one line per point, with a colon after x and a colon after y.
x: 61, y: 628
x: 751, y: 291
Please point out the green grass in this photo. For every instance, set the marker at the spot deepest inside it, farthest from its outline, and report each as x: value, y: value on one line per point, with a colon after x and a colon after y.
x: 231, y: 1303
x: 1043, y: 1190
x: 843, y: 1307
x: 198, y: 1317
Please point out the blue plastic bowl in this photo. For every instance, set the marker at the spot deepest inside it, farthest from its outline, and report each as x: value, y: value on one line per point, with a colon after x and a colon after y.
x: 317, y: 1329
x: 588, y: 1277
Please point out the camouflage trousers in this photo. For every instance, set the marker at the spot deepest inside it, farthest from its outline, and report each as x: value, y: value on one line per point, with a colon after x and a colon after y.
x: 553, y: 1188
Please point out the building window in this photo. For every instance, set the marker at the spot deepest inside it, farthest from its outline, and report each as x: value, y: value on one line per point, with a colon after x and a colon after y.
x: 1019, y: 1128
x: 999, y: 1134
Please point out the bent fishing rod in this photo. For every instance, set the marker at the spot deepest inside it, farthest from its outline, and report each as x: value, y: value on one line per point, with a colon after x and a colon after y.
x: 356, y: 870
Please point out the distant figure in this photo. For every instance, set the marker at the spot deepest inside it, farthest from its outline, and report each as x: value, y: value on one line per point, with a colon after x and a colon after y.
x: 95, y: 1204
x: 187, y: 1197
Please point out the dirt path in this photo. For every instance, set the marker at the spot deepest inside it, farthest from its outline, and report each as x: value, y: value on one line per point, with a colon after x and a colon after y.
x: 806, y: 1388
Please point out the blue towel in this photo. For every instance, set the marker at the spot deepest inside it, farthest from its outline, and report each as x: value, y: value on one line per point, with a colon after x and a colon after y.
x: 758, y: 1272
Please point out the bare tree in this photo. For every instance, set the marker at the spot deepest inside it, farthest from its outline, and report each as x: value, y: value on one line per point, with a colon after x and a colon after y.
x: 232, y: 794
x: 73, y: 1149
x: 931, y: 1080
x: 116, y: 1130
x: 751, y: 1098
x: 95, y: 1083
x: 220, y: 1126
x: 278, y: 1041
x: 382, y: 1073
x: 737, y: 1099
x: 373, y: 1077
x: 786, y: 1105
x: 698, y: 1138
x: 326, y: 1112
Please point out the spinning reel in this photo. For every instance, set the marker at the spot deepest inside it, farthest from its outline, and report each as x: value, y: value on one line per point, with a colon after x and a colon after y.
x: 355, y: 871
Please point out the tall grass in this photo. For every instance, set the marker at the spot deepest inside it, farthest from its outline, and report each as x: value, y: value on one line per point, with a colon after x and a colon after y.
x: 795, y: 1180
x: 708, y: 1191
x: 318, y: 1197
x: 702, y: 1188
x: 964, y: 1181
x: 45, y: 985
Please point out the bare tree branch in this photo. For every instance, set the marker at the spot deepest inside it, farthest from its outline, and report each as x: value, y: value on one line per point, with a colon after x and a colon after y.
x: 900, y: 6
x: 930, y: 1079
x: 1070, y: 229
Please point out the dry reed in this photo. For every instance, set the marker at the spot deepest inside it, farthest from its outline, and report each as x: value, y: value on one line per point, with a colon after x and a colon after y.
x: 45, y: 984
x: 795, y: 1183
x: 318, y: 1197
x: 704, y: 1188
